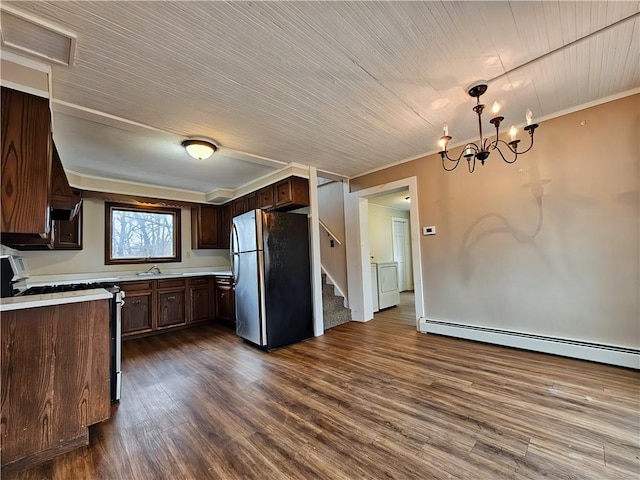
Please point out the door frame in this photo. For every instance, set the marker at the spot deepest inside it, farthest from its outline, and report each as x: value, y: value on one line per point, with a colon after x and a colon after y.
x: 407, y: 227
x: 356, y: 209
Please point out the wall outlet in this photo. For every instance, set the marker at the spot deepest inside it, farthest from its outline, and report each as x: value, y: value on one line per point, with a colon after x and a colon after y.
x: 431, y: 230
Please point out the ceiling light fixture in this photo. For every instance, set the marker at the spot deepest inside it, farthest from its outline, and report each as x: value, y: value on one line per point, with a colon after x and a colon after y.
x: 199, y: 149
x: 482, y: 150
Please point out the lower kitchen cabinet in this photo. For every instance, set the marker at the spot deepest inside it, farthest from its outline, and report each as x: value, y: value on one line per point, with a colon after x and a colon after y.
x: 171, y: 302
x: 156, y: 306
x: 201, y: 299
x: 137, y: 311
x: 171, y: 309
x: 225, y: 301
x: 55, y: 380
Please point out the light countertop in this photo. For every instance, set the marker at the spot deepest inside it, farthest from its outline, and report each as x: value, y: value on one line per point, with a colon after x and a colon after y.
x: 49, y: 299
x: 124, y: 277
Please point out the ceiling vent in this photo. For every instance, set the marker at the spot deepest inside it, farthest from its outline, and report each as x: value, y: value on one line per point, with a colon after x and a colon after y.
x: 26, y: 34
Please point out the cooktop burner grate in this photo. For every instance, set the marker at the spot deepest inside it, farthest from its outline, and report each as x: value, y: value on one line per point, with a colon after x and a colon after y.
x: 71, y: 287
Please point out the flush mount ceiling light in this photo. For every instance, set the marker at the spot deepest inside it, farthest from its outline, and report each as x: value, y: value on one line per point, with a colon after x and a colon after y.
x: 483, y: 149
x: 199, y: 149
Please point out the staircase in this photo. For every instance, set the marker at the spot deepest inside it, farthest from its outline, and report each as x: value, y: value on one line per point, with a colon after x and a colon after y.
x: 333, y: 308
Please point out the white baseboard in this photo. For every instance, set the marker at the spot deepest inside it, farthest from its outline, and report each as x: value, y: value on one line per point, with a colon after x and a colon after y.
x: 623, y: 357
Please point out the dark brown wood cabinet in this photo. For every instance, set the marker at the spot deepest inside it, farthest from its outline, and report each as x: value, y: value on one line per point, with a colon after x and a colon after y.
x: 35, y: 189
x: 67, y: 234
x: 155, y: 306
x: 201, y: 299
x: 55, y: 380
x: 225, y: 225
x: 292, y: 193
x: 266, y: 198
x: 138, y: 311
x: 171, y: 309
x: 171, y: 302
x: 205, y: 229
x: 225, y: 301
x: 252, y: 201
x: 238, y: 206
x: 26, y: 164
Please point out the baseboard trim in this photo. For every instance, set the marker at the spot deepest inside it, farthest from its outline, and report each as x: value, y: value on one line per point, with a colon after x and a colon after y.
x: 619, y: 356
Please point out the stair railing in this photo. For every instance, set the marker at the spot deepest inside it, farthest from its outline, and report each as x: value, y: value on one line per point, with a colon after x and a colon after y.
x: 329, y: 232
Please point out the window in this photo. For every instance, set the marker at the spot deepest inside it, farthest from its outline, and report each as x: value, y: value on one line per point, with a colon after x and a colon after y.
x: 141, y: 234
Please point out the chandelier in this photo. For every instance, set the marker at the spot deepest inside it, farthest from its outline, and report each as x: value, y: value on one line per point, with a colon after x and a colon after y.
x: 480, y: 151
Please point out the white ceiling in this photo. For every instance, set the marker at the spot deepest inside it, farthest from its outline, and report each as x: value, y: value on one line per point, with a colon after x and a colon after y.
x: 346, y: 87
x: 397, y: 200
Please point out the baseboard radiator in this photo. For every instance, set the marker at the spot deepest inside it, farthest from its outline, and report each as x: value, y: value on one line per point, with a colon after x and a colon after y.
x: 623, y: 357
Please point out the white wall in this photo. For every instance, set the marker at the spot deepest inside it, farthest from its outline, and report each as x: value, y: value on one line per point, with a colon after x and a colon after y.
x: 331, y: 210
x: 91, y: 258
x: 381, y: 231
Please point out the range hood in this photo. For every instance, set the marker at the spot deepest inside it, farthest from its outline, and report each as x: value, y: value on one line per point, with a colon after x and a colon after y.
x: 65, y: 201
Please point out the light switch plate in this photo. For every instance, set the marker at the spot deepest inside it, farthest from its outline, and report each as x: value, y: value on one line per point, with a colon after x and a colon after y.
x: 431, y: 230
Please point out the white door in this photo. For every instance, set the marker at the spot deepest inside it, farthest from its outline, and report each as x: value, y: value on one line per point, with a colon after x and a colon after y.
x: 402, y: 252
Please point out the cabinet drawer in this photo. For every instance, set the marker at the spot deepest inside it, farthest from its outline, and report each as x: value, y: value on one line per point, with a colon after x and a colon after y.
x: 171, y: 283
x: 199, y: 281
x: 224, y: 281
x: 136, y: 286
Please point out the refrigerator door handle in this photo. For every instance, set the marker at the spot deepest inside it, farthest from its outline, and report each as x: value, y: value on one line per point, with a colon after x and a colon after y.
x: 232, y: 234
x: 235, y: 267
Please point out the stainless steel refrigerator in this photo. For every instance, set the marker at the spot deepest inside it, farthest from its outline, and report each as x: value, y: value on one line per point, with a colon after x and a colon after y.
x: 271, y: 268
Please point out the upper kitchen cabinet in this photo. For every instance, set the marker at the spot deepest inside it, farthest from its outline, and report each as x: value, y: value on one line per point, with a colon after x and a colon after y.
x: 239, y: 206
x: 205, y: 230
x: 26, y: 163
x: 252, y: 201
x: 67, y: 234
x: 266, y: 198
x: 225, y: 225
x: 35, y: 189
x: 292, y: 193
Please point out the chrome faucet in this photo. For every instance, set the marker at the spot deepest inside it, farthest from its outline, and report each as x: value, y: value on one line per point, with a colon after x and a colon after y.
x: 154, y: 269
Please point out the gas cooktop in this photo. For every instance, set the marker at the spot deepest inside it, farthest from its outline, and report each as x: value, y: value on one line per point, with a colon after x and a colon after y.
x: 71, y: 287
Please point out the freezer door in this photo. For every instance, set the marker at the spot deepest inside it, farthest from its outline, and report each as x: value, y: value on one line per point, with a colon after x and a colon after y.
x: 287, y: 279
x: 246, y: 232
x: 248, y: 296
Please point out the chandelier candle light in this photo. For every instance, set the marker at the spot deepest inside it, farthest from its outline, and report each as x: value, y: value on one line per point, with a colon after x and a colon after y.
x: 482, y: 149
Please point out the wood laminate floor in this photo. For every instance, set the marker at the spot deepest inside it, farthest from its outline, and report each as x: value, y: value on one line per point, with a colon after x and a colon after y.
x: 375, y: 400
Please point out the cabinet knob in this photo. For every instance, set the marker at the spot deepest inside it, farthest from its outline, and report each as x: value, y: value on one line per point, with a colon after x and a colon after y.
x: 171, y: 298
x: 136, y: 302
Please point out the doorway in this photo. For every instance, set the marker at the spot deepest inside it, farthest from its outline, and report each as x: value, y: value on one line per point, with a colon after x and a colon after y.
x: 402, y: 252
x: 359, y: 251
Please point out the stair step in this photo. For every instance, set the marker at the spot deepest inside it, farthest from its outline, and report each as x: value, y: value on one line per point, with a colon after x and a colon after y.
x: 333, y: 309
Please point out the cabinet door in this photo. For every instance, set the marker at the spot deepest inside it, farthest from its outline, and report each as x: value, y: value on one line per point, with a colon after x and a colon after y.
x: 67, y: 234
x: 225, y: 308
x: 200, y: 299
x: 252, y: 201
x: 239, y: 206
x: 171, y: 309
x: 204, y: 227
x: 292, y: 193
x: 26, y: 163
x: 136, y: 313
x: 200, y: 304
x: 225, y: 225
x: 266, y: 198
